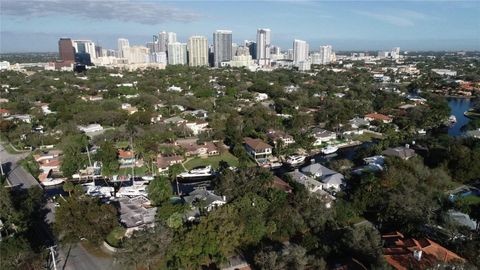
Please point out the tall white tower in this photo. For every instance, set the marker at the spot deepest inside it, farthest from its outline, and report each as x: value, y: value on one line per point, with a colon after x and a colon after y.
x: 123, y: 48
x: 263, y: 46
x: 197, y: 51
x: 177, y: 53
x: 300, y: 51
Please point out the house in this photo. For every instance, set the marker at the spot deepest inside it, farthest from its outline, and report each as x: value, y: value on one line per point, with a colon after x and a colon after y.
x: 92, y: 128
x: 323, y: 136
x: 129, y: 108
x: 50, y: 165
x: 408, y: 253
x: 4, y: 113
x: 313, y: 186
x: 201, y: 114
x: 379, y: 117
x: 136, y: 213
x: 404, y: 153
x: 164, y: 162
x: 197, y: 127
x: 331, y: 180
x: 202, y: 198
x: 260, y: 97
x: 445, y: 72
x: 235, y: 263
x: 463, y: 220
x: 291, y: 88
x: 26, y: 118
x: 358, y: 122
x: 473, y: 133
x: 257, y: 149
x: 276, y: 135
x: 174, y: 88
x: 126, y: 158
x: 192, y: 148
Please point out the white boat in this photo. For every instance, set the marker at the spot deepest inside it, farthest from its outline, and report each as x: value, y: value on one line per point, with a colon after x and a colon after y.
x: 452, y: 119
x: 329, y: 150
x: 98, y: 191
x: 133, y: 191
x: 52, y: 182
x: 147, y: 178
x: 204, y: 171
x: 275, y: 165
x: 295, y: 160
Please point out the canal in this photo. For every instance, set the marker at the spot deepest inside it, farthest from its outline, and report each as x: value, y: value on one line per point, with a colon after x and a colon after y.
x: 458, y: 106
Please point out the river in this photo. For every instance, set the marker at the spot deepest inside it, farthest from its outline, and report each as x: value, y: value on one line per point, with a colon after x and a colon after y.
x: 458, y: 106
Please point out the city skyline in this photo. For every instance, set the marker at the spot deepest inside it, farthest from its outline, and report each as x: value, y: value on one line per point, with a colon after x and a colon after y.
x: 346, y: 25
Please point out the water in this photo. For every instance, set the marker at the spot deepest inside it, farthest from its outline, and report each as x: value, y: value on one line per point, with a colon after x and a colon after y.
x: 458, y: 106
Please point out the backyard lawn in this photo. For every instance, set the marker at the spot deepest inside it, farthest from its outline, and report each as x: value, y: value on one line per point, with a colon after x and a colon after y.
x: 213, y: 161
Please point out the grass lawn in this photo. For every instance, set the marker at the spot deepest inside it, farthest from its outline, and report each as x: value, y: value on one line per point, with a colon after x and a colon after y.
x: 114, y: 238
x: 470, y: 200
x: 366, y: 137
x: 139, y: 171
x: 213, y: 161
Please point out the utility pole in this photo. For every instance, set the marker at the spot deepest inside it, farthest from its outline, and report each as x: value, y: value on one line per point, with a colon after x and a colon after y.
x: 52, y: 252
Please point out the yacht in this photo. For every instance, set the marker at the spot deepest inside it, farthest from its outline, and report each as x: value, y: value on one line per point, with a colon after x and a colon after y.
x: 132, y: 191
x: 329, y: 150
x: 295, y: 160
x: 52, y: 182
x: 203, y: 171
x: 98, y: 191
x: 452, y: 119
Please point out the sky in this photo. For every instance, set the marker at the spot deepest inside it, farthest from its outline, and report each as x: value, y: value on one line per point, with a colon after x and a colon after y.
x: 36, y: 25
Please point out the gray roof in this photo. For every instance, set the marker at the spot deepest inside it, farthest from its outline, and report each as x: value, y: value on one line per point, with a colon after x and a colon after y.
x: 203, y: 195
x: 463, y: 219
x: 401, y: 152
x: 326, y: 175
x: 134, y: 213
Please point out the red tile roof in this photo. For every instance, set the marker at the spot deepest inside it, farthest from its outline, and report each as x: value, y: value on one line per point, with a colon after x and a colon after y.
x: 378, y: 116
x: 125, y: 154
x: 399, y: 251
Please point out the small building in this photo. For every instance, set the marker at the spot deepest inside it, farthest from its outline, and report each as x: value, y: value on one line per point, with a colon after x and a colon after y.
x: 136, y: 213
x: 197, y: 127
x: 192, y: 148
x: 408, y: 253
x: 202, y: 198
x: 279, y: 184
x: 92, y: 128
x: 379, y: 117
x: 126, y: 158
x: 402, y: 152
x: 276, y: 135
x: 257, y: 149
x: 331, y: 180
x: 4, y: 112
x: 323, y: 136
x: 165, y: 161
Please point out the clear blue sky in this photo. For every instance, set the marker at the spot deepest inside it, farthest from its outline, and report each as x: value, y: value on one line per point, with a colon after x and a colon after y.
x: 36, y: 25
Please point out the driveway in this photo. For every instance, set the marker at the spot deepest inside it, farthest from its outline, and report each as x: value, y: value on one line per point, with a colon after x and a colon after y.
x: 16, y: 174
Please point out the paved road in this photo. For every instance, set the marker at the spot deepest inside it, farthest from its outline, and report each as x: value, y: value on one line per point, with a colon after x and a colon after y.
x: 77, y: 258
x: 16, y: 174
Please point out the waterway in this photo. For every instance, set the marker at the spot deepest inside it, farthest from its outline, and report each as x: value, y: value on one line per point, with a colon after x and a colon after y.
x: 458, y: 106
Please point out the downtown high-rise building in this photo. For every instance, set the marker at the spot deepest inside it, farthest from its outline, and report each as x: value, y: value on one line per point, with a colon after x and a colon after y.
x: 164, y: 38
x: 177, y: 53
x: 252, y: 48
x: 222, y: 47
x: 325, y: 54
x: 85, y: 46
x: 123, y: 47
x: 197, y: 51
x: 66, y: 50
x: 263, y: 46
x: 300, y: 51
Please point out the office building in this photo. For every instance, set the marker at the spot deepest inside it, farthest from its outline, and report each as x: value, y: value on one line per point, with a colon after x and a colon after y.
x: 263, y: 46
x: 197, y: 51
x: 123, y: 47
x: 66, y: 50
x: 395, y: 54
x: 138, y: 55
x: 158, y: 57
x: 85, y: 46
x: 252, y: 47
x: 177, y: 53
x: 222, y: 47
x: 300, y: 51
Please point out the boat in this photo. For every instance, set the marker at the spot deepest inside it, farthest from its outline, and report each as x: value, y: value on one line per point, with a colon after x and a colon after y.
x: 52, y: 182
x: 99, y: 191
x: 132, y: 191
x: 452, y: 119
x: 329, y: 150
x: 202, y: 171
x: 275, y: 165
x: 295, y: 160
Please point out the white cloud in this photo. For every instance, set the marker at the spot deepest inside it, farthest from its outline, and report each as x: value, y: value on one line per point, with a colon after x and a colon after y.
x: 140, y: 11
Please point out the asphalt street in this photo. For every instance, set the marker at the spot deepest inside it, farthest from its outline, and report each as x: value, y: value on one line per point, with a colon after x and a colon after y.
x: 16, y: 174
